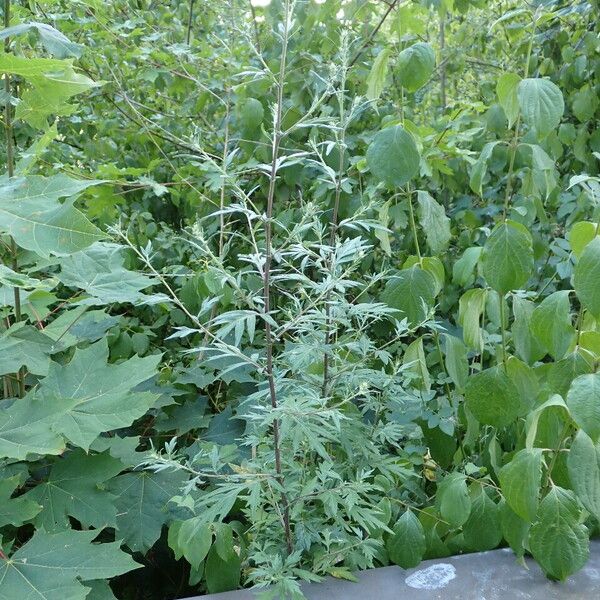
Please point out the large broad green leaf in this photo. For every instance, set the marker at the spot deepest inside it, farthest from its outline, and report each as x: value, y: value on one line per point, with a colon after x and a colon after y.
x: 49, y: 95
x: 434, y: 221
x: 514, y: 529
x: 492, y: 397
x: 15, y: 511
x: 76, y: 487
x: 407, y: 545
x: 456, y: 360
x: 482, y: 530
x: 541, y: 103
x: 562, y: 373
x: 558, y: 540
x: 11, y: 278
x: 551, y: 324
x: 526, y: 344
x: 506, y: 89
x: 142, y: 501
x: 480, y: 167
x: 26, y: 427
x: 55, y: 42
x: 581, y: 234
x: 377, y: 75
x: 415, y: 65
x: 94, y: 396
x: 30, y: 211
x: 583, y: 400
x: 99, y: 271
x: 222, y: 575
x: 412, y: 292
x: 533, y: 418
x: 30, y: 67
x: 252, y: 114
x: 587, y: 277
x: 194, y: 540
x: 23, y: 345
x: 79, y: 324
x: 583, y: 463
x: 453, y: 500
x: 507, y: 257
x: 52, y: 566
x: 470, y: 309
x: 520, y: 481
x: 393, y: 157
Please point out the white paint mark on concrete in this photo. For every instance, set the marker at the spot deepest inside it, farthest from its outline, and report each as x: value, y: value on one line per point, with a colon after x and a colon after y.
x: 431, y: 578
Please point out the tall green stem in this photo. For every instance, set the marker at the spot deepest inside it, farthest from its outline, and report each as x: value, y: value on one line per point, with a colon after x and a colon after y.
x: 413, y: 225
x: 515, y: 141
x: 268, y: 231
x: 334, y: 224
x: 10, y: 171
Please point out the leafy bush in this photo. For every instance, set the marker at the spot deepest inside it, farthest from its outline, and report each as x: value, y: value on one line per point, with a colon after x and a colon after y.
x: 295, y: 290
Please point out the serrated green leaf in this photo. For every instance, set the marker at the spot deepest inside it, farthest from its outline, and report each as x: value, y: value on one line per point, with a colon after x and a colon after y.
x: 30, y: 67
x: 586, y: 278
x: 221, y: 575
x: 414, y: 359
x: 506, y: 89
x: 456, y: 360
x: 470, y: 309
x: 53, y: 40
x: 194, y: 540
x: 142, y: 501
x: 434, y: 221
x: 482, y: 529
x: 415, y: 65
x: 377, y: 74
x: 76, y: 488
x: 15, y: 511
x: 94, y: 396
x: 23, y: 345
x: 520, y: 482
x: 31, y: 213
x: 51, y: 566
x: 406, y: 546
x: 534, y: 416
x: 393, y: 157
x: 492, y: 397
x: 541, y: 103
x: 551, y: 324
x: 412, y: 292
x: 558, y: 540
x: 453, y: 500
x: 49, y: 95
x: 514, y: 529
x: 99, y: 271
x: 252, y: 114
x: 20, y: 280
x: 581, y: 234
x: 507, y: 257
x: 583, y: 400
x: 526, y: 344
x: 479, y: 169
x: 26, y: 427
x: 464, y: 267
x: 583, y: 463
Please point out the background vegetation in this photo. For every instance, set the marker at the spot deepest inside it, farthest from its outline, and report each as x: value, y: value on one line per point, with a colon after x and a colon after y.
x: 294, y: 289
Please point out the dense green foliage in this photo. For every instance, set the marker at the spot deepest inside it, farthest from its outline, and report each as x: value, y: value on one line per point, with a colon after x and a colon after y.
x: 294, y: 289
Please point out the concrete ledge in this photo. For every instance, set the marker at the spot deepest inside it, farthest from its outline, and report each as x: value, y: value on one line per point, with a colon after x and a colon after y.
x: 483, y: 576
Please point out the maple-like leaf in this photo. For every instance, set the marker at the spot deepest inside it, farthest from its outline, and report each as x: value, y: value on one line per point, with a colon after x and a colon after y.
x: 51, y: 566
x: 76, y: 488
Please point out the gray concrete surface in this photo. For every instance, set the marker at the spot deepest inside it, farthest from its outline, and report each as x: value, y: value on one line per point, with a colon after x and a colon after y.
x: 484, y: 576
